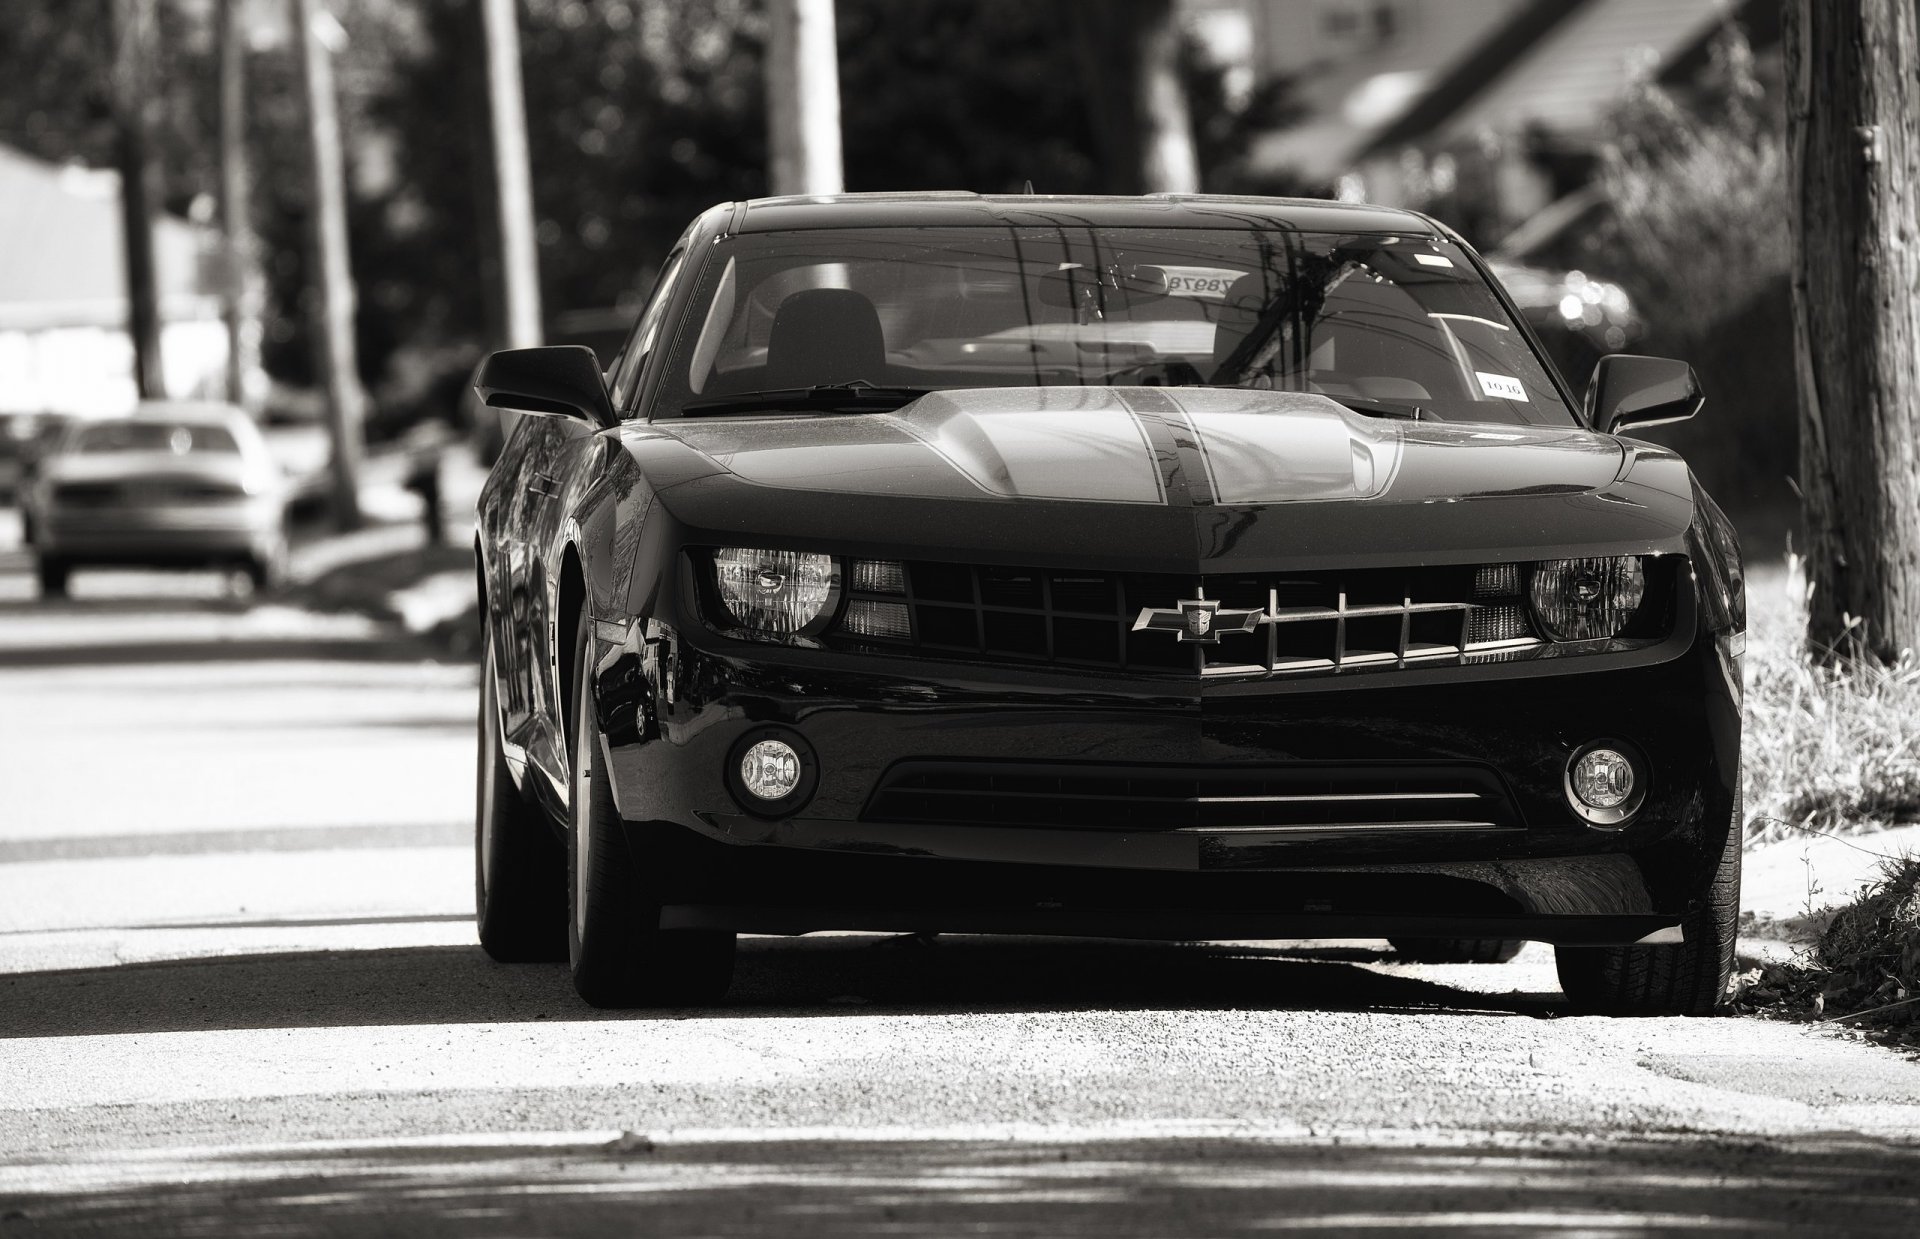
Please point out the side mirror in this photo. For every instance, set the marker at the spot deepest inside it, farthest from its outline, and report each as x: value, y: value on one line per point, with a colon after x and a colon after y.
x: 1628, y: 391
x: 561, y: 380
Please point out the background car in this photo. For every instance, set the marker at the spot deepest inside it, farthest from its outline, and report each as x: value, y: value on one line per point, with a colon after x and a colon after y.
x: 172, y: 485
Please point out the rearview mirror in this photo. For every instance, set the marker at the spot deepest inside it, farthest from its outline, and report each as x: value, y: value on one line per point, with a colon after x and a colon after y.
x: 1628, y: 391
x: 1114, y: 288
x: 561, y: 380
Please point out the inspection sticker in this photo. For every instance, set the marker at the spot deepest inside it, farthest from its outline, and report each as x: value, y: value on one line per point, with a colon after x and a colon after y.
x: 1500, y: 386
x: 1433, y: 260
x: 1200, y: 283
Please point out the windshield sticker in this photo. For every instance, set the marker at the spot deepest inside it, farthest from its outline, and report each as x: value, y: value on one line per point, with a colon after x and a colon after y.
x: 1200, y: 283
x: 1500, y: 386
x: 1433, y: 260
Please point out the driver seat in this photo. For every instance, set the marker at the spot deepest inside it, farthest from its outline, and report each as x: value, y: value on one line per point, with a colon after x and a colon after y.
x: 825, y: 335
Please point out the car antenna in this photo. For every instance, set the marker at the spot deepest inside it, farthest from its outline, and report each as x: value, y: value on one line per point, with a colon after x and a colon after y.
x: 1029, y: 189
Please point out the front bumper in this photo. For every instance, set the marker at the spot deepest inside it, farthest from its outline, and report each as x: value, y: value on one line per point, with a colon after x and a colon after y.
x: 675, y: 706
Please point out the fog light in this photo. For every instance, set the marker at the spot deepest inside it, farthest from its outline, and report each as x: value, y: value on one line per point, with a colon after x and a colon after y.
x: 770, y: 770
x: 1606, y: 783
x: 1603, y: 779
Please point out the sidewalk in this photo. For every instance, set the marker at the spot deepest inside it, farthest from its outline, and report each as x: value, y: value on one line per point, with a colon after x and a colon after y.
x: 387, y: 571
x: 1791, y: 888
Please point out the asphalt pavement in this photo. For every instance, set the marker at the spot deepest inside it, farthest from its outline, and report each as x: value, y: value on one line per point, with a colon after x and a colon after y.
x: 239, y: 993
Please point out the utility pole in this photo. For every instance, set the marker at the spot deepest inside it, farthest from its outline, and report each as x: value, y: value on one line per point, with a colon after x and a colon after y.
x: 512, y: 175
x: 803, y: 98
x: 1168, y: 163
x: 131, y: 28
x: 237, y: 303
x: 333, y: 306
x: 1853, y: 149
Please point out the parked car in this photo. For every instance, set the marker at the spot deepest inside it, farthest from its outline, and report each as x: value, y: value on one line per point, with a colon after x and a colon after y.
x: 171, y: 485
x: 1180, y: 567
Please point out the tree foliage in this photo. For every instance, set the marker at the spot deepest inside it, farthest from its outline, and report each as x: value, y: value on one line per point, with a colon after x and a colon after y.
x: 1694, y: 182
x: 641, y: 113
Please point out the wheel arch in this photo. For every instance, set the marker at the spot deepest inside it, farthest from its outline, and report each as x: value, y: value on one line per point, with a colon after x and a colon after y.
x: 570, y: 600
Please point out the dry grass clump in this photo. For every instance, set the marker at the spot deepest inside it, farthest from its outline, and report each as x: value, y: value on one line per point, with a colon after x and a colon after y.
x: 1866, y: 968
x: 1827, y: 746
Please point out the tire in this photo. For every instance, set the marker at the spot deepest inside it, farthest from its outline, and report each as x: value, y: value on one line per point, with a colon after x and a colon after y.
x: 53, y: 576
x: 268, y: 571
x: 519, y: 868
x: 1687, y: 978
x: 619, y: 954
x: 1457, y: 950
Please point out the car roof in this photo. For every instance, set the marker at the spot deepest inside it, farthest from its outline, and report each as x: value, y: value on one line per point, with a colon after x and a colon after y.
x: 953, y: 207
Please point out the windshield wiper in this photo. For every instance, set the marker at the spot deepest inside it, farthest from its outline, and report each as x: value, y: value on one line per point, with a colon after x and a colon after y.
x: 1400, y: 409
x: 858, y: 394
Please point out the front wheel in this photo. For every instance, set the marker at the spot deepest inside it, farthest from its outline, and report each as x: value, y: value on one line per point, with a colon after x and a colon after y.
x: 266, y: 571
x: 619, y: 954
x: 1685, y: 978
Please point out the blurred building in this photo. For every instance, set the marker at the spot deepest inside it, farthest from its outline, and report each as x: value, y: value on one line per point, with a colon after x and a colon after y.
x: 1489, y: 109
x: 1356, y: 65
x: 63, y: 302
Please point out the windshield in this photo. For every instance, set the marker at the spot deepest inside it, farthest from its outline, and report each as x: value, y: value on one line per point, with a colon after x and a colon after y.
x: 179, y: 438
x: 1394, y: 326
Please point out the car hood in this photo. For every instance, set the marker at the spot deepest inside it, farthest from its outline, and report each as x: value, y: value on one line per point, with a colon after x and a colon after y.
x: 1178, y: 474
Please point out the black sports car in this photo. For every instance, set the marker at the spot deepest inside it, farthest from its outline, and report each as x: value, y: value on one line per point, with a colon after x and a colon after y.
x: 1170, y: 567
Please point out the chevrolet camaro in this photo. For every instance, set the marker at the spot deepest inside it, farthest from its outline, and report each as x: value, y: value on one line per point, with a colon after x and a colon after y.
x: 1178, y: 567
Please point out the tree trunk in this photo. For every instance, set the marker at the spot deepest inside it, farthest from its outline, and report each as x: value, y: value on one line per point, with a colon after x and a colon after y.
x: 803, y: 98
x: 512, y: 175
x: 332, y: 298
x: 1853, y: 137
x: 132, y: 29
x: 1129, y: 67
x: 239, y: 282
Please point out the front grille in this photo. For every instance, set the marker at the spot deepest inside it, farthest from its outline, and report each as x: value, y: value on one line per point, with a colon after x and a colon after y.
x: 1304, y: 798
x: 1293, y: 623
x: 87, y: 494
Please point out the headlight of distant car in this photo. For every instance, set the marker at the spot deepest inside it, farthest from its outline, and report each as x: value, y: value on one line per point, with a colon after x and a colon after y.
x: 1587, y: 599
x: 777, y: 594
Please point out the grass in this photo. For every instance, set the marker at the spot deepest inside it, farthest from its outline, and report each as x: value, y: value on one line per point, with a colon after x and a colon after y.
x: 1832, y: 748
x: 1865, y: 969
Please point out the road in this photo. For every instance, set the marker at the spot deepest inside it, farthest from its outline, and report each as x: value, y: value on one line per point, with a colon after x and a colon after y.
x: 239, y: 993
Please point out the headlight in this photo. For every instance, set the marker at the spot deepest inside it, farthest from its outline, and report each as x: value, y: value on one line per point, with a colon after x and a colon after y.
x: 1587, y: 599
x: 777, y: 593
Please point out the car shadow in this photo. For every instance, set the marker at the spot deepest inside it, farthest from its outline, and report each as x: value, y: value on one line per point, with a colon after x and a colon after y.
x: 835, y: 975
x: 1072, y: 1185
x: 388, y: 648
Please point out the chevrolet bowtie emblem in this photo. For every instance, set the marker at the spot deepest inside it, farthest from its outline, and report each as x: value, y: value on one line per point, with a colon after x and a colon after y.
x: 1196, y: 619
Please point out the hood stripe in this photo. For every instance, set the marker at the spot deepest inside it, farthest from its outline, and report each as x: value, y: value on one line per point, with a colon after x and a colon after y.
x: 1176, y: 445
